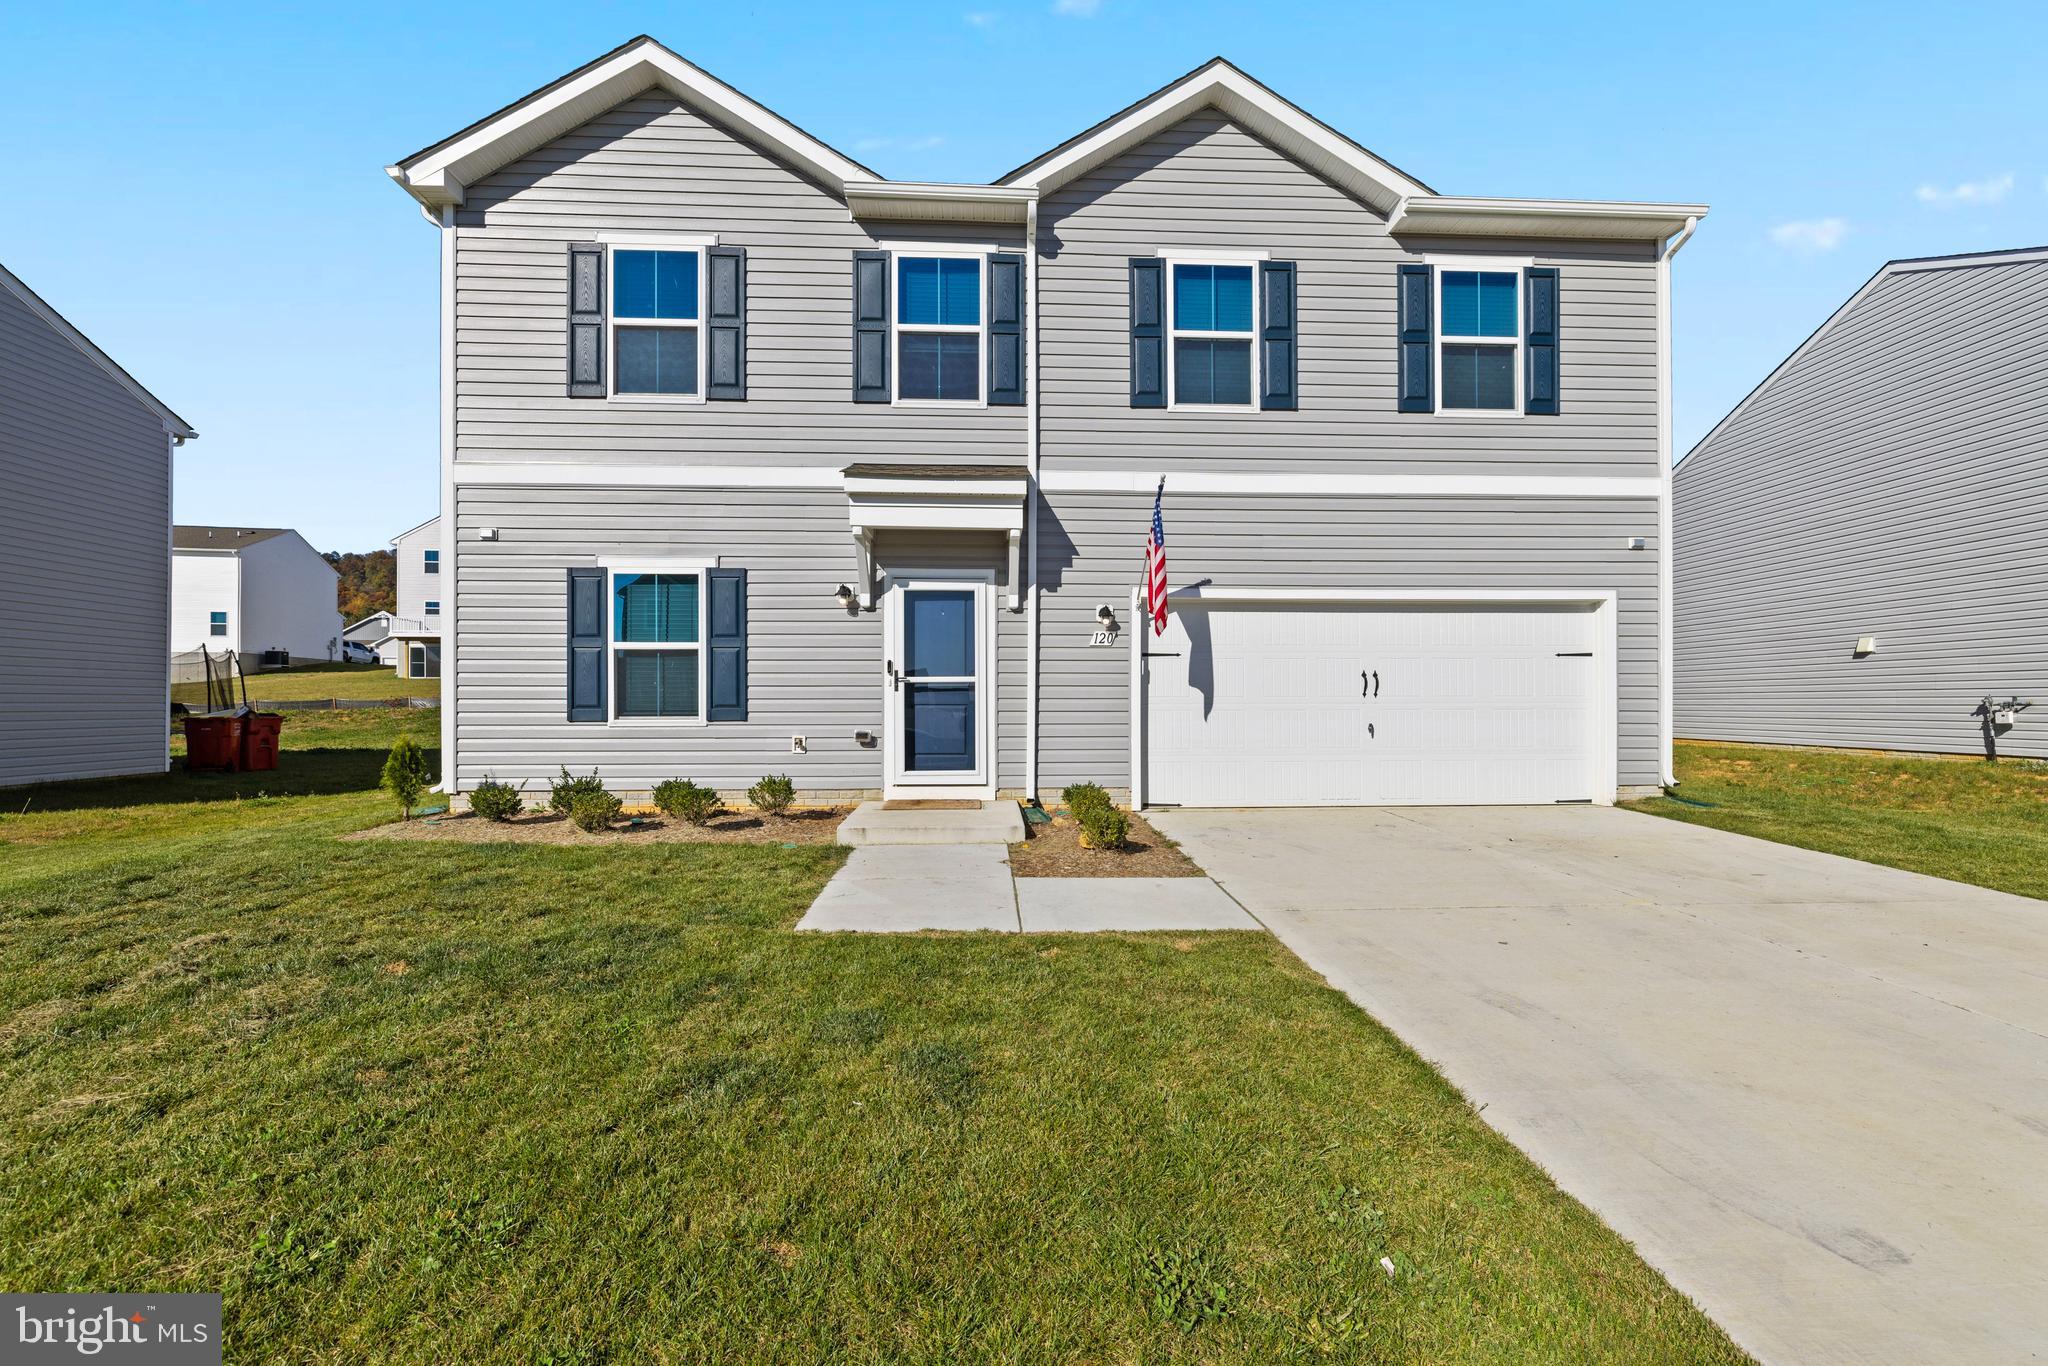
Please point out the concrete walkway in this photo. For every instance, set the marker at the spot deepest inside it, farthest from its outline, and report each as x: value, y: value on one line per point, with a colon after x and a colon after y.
x: 1812, y: 1091
x: 895, y: 889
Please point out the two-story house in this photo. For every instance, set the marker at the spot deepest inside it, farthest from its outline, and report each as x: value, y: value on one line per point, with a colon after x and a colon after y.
x: 755, y: 461
x: 414, y: 647
x: 255, y: 591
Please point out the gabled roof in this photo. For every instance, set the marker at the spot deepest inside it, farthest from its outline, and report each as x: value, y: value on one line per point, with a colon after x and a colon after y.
x: 1904, y: 265
x: 176, y: 425
x: 227, y: 538
x: 1216, y: 83
x: 438, y: 175
x: 411, y: 529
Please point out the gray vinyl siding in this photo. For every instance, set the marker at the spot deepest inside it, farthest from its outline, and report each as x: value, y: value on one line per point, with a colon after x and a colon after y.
x: 85, y: 529
x: 1890, y: 480
x: 653, y: 164
x: 1090, y: 553
x: 1206, y: 183
x: 813, y: 669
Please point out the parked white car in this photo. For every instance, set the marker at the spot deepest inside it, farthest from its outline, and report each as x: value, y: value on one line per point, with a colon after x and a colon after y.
x: 355, y: 652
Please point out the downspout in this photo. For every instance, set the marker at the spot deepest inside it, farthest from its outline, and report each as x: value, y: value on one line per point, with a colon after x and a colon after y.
x: 450, y: 537
x: 1031, y: 498
x: 1667, y: 774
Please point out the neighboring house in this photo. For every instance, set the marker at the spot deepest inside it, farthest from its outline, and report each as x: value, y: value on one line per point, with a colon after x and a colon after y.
x: 252, y: 590
x: 85, y: 466
x: 373, y: 630
x: 754, y: 461
x: 1860, y: 549
x: 415, y: 649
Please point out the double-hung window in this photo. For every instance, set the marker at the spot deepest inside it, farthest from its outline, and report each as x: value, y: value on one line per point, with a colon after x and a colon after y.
x: 216, y: 623
x: 433, y: 608
x: 432, y: 562
x: 657, y: 307
x: 1213, y: 361
x: 657, y: 659
x: 938, y: 329
x: 1480, y: 342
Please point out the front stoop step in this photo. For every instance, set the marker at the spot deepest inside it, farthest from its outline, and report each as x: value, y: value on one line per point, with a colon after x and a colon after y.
x: 966, y: 823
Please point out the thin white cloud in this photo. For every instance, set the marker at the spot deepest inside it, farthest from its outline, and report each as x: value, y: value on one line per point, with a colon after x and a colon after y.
x: 1077, y: 9
x: 1811, y: 234
x: 878, y: 144
x: 983, y: 19
x: 1987, y: 191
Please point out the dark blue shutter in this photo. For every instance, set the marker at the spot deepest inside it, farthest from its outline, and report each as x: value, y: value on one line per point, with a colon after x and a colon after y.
x: 587, y: 645
x: 725, y: 323
x: 586, y: 320
x: 1005, y: 329
x: 727, y: 641
x: 871, y: 327
x: 1416, y: 386
x: 1148, y: 332
x: 1276, y: 336
x: 1540, y: 396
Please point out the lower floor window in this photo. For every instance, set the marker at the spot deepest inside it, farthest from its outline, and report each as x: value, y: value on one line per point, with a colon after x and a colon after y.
x: 216, y: 623
x: 423, y: 661
x: 656, y: 683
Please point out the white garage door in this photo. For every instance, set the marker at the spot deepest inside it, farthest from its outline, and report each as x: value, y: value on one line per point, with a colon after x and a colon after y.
x: 1373, y: 706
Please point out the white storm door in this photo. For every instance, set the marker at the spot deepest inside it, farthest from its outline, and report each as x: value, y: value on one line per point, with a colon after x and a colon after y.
x: 937, y: 683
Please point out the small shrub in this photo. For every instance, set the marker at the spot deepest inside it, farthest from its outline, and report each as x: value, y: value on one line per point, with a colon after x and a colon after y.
x: 683, y: 799
x: 406, y: 774
x: 496, y: 801
x: 772, y: 794
x: 595, y: 811
x: 1079, y: 797
x: 563, y: 791
x: 1104, y: 826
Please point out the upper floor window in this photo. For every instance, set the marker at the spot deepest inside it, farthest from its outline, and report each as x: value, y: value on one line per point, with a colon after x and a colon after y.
x: 433, y: 562
x: 938, y: 328
x: 433, y: 607
x: 216, y: 623
x: 1479, y: 346
x: 1210, y: 349
x: 657, y: 628
x: 657, y: 306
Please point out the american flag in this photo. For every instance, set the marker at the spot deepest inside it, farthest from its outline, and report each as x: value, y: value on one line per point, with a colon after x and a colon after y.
x: 1155, y: 565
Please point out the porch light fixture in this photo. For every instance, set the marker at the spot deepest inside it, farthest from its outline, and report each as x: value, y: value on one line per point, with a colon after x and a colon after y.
x: 844, y: 595
x: 1106, y: 616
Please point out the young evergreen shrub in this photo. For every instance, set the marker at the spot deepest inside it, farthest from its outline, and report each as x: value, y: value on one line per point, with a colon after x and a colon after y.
x: 1079, y: 797
x: 496, y: 801
x: 684, y: 800
x: 1104, y: 826
x: 594, y: 811
x: 772, y: 794
x: 406, y: 774
x: 563, y: 791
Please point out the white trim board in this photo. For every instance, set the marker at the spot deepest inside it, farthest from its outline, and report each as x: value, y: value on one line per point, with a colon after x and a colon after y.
x: 1356, y: 485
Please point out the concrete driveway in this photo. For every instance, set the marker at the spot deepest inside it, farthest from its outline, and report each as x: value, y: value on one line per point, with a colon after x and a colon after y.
x: 1813, y: 1092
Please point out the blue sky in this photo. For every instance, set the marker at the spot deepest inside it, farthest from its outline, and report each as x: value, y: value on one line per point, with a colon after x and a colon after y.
x: 201, y: 188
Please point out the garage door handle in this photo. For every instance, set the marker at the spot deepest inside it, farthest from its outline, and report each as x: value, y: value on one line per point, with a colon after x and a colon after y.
x: 1369, y: 682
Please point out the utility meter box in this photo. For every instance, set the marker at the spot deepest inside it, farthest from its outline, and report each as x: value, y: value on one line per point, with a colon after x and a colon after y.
x: 2003, y: 716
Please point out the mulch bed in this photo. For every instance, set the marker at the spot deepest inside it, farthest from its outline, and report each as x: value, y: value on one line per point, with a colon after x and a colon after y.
x: 805, y: 825
x: 1055, y: 851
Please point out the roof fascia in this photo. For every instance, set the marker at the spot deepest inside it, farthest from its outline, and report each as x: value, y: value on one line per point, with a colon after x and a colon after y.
x: 1479, y: 215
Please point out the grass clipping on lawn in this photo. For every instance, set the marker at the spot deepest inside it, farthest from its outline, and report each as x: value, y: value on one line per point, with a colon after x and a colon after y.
x: 805, y: 825
x: 1055, y: 850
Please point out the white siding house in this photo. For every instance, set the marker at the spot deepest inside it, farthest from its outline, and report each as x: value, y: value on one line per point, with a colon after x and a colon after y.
x: 415, y: 648
x: 85, y: 461
x: 250, y: 590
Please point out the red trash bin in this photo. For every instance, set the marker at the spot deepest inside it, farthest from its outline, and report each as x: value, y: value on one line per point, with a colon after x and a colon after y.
x: 259, y: 741
x: 213, y: 744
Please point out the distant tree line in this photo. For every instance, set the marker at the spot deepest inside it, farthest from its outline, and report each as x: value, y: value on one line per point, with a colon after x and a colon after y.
x: 369, y: 583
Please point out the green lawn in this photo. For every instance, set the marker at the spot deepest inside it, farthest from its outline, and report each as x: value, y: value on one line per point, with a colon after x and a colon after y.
x: 1955, y: 818
x: 319, y: 681
x: 416, y: 1102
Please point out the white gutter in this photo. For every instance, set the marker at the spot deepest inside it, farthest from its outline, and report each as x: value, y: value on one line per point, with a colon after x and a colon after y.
x: 1031, y: 499
x: 449, y: 538
x: 1668, y: 775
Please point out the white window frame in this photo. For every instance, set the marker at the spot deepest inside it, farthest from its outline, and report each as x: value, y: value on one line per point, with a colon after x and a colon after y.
x: 1173, y: 333
x: 430, y: 607
x: 694, y: 246
x: 430, y: 561
x: 416, y: 659
x: 211, y: 624
x: 1517, y: 266
x: 614, y: 647
x: 897, y: 328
